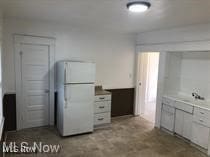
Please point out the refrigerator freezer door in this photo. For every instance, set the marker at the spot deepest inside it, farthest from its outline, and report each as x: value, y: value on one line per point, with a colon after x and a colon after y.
x: 78, y: 111
x: 79, y: 72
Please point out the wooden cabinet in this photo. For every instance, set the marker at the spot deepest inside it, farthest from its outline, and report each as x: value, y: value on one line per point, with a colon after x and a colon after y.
x: 183, y: 123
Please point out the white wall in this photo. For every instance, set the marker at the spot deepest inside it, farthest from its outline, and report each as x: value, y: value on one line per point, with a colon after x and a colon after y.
x: 173, y: 72
x: 188, y: 72
x: 195, y: 73
x: 175, y: 35
x: 1, y: 97
x: 114, y: 54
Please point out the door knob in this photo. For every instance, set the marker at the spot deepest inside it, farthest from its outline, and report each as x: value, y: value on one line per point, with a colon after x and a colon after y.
x: 140, y: 84
x: 47, y: 91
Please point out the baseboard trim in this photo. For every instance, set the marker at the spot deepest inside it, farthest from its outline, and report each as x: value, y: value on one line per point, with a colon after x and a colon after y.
x: 123, y: 117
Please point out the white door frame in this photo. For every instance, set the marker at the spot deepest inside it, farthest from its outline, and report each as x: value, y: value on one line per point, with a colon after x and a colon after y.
x: 139, y: 93
x: 18, y: 39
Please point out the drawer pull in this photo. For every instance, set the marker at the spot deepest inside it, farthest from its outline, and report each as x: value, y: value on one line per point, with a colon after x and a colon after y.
x: 100, y: 119
x: 101, y: 106
x: 201, y: 120
x: 201, y: 112
x: 102, y: 98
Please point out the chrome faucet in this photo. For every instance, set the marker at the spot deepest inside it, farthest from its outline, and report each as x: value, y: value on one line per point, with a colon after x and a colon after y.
x: 196, y: 96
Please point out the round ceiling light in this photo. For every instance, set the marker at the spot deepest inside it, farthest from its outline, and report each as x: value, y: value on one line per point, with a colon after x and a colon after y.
x: 138, y: 6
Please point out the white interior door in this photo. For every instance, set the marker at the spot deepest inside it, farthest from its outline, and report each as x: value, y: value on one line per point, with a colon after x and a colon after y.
x: 142, y: 80
x: 147, y: 75
x: 33, y: 83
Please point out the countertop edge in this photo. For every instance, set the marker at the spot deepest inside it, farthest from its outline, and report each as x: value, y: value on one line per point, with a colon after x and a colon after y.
x: 189, y: 103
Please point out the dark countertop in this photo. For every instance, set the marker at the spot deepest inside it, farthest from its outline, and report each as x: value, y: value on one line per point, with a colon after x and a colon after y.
x: 102, y: 92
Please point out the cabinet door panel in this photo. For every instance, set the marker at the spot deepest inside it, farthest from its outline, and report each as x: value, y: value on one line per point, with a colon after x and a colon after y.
x: 200, y: 135
x: 187, y: 127
x: 179, y: 117
x: 167, y: 120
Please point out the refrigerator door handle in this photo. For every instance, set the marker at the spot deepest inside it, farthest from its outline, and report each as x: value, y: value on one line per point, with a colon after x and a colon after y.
x: 65, y: 71
x: 65, y: 104
x: 65, y: 98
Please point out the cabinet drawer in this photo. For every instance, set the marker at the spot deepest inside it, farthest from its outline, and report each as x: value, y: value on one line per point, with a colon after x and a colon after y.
x: 167, y: 101
x: 201, y: 120
x: 168, y: 108
x: 184, y: 107
x: 102, y: 118
x: 201, y: 112
x: 102, y: 106
x: 103, y: 98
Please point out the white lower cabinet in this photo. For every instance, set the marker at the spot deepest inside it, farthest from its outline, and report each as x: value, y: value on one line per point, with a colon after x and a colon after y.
x: 179, y: 116
x: 102, y: 118
x: 187, y: 128
x: 201, y: 127
x: 188, y: 121
x: 200, y: 135
x: 102, y: 110
x: 167, y: 117
x: 183, y: 123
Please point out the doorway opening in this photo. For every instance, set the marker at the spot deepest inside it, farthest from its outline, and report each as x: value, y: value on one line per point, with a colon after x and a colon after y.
x: 147, y: 79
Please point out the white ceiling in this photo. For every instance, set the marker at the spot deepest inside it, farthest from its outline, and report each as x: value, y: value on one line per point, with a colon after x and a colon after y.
x: 111, y: 15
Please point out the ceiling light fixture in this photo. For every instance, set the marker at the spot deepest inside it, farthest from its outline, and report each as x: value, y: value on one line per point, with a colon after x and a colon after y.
x: 138, y: 6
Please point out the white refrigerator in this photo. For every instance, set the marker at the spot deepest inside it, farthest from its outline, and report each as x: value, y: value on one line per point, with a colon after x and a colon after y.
x: 75, y: 97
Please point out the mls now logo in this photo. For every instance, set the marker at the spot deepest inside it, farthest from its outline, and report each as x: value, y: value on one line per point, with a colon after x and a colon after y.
x: 24, y: 147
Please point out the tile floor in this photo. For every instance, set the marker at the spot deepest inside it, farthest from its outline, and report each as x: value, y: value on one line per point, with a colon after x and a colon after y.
x: 127, y: 137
